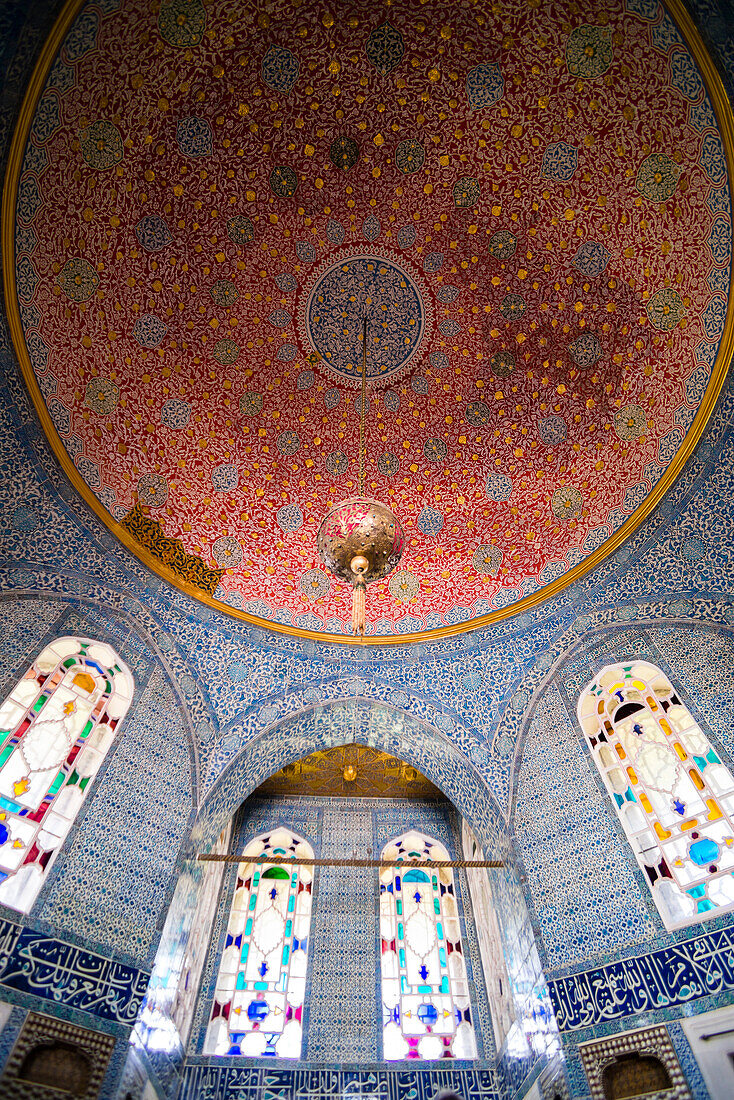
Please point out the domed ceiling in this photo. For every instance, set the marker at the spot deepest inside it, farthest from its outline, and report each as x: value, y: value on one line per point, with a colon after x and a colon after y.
x: 528, y: 202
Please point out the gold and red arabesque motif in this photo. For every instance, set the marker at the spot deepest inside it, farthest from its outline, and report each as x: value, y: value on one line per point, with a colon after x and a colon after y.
x: 535, y: 171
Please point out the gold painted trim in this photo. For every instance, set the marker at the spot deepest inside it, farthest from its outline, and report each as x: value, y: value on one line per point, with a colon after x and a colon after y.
x: 725, y: 119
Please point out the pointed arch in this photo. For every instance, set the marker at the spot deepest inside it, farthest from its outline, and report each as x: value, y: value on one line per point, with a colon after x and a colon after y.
x: 258, y: 1002
x: 425, y: 992
x: 672, y: 793
x: 56, y: 726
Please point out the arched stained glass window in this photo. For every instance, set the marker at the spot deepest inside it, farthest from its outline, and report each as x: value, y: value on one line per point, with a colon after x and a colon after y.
x: 56, y: 726
x: 425, y: 993
x: 258, y: 1002
x: 673, y: 795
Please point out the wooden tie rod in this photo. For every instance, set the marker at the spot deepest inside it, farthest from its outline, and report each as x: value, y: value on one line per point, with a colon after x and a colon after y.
x: 287, y: 861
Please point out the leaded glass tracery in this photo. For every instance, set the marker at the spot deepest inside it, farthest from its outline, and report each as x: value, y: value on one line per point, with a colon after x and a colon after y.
x: 425, y: 993
x: 671, y: 791
x: 56, y: 726
x: 258, y: 1001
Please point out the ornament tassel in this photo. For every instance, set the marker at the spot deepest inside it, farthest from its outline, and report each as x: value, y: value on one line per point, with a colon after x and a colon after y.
x: 358, y: 607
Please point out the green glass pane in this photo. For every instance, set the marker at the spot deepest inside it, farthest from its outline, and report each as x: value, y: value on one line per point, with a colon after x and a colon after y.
x: 276, y: 872
x: 5, y: 754
x: 56, y: 785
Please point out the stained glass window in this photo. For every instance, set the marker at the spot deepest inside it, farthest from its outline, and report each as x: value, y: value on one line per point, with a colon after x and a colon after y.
x: 55, y: 728
x: 673, y: 795
x: 425, y: 993
x: 258, y: 1001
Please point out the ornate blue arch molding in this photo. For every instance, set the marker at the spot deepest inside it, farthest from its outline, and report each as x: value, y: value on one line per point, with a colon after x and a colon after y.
x: 338, y: 721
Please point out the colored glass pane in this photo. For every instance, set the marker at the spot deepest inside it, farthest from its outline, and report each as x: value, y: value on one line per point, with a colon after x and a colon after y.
x: 258, y: 1001
x: 675, y: 800
x: 55, y: 728
x: 425, y: 993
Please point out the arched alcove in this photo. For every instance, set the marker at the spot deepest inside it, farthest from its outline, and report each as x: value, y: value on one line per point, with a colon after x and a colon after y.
x: 340, y: 722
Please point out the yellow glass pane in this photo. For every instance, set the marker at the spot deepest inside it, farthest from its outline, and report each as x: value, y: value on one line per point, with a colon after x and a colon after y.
x: 714, y: 812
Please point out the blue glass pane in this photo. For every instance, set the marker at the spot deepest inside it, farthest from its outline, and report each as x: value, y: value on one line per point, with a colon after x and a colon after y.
x: 416, y: 876
x: 257, y: 1011
x: 704, y: 851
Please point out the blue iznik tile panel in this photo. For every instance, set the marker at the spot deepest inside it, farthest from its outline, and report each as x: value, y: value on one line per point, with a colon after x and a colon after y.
x: 114, y: 876
x: 340, y: 1082
x: 23, y: 630
x: 578, y: 868
x: 674, y: 976
x: 343, y: 1009
x: 67, y: 975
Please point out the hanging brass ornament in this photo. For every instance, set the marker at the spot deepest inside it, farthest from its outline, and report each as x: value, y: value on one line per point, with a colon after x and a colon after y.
x: 360, y: 541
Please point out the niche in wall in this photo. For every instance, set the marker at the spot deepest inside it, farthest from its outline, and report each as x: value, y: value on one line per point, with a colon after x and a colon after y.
x: 52, y: 1058
x: 634, y: 1064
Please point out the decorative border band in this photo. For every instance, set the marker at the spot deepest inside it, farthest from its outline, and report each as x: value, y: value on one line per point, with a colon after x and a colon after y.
x: 661, y: 979
x: 44, y: 967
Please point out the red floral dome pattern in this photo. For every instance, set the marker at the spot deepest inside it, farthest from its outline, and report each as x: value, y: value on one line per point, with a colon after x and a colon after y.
x: 529, y: 204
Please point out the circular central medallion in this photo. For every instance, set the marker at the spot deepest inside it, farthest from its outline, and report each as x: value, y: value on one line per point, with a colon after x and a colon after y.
x: 368, y: 286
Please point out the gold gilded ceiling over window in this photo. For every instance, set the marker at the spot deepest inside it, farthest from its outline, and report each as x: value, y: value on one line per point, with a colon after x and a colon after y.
x: 353, y: 770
